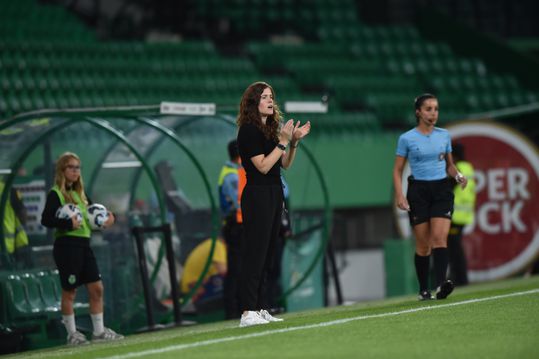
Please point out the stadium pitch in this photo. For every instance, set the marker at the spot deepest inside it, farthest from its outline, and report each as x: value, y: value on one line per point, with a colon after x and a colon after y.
x: 494, y: 320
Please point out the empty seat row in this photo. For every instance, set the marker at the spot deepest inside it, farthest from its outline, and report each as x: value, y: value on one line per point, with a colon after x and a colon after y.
x: 357, y: 32
x: 489, y: 82
x: 255, y: 16
x: 33, y: 295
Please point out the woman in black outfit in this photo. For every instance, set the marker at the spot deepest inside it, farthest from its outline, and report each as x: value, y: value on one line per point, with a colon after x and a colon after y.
x: 262, y: 143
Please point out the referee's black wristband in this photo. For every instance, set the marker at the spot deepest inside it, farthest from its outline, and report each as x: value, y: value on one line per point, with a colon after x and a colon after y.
x: 281, y: 147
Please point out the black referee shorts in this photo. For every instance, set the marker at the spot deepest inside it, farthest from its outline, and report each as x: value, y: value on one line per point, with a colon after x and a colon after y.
x: 429, y: 199
x: 76, y: 264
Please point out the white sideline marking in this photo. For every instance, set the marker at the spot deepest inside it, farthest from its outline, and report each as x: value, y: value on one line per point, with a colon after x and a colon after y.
x: 310, y: 326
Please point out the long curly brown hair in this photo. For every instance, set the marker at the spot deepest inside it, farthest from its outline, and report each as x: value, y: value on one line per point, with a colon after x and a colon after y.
x: 249, y: 111
x: 60, y: 180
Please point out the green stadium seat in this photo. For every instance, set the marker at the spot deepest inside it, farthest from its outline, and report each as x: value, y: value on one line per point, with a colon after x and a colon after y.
x: 16, y: 297
x: 503, y: 100
x: 531, y: 97
x: 50, y: 289
x: 33, y: 292
x: 517, y: 98
x: 488, y: 101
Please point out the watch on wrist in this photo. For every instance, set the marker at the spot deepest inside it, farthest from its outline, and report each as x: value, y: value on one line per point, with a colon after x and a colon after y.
x: 281, y: 146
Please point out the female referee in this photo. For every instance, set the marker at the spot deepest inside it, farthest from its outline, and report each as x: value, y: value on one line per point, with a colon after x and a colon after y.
x: 72, y: 253
x: 262, y: 146
x: 429, y: 200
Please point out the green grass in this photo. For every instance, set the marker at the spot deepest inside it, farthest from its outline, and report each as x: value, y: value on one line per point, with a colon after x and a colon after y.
x: 495, y: 320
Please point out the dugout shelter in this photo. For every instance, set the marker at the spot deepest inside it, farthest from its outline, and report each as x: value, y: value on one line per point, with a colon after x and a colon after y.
x: 150, y: 167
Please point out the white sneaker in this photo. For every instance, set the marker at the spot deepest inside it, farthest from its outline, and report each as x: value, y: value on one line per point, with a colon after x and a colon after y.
x: 77, y: 338
x: 106, y: 336
x: 252, y: 318
x: 270, y: 318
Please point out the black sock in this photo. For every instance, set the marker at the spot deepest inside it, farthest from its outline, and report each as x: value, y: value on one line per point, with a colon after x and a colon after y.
x: 441, y: 260
x: 422, y: 264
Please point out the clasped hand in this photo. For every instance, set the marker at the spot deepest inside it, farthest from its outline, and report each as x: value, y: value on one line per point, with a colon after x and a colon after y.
x: 291, y: 132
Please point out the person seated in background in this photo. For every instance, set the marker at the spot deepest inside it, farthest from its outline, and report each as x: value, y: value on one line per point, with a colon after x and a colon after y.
x: 209, y: 296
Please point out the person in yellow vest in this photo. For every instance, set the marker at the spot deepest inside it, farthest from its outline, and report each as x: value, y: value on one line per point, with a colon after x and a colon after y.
x: 463, y: 215
x: 15, y: 237
x: 231, y: 227
x: 209, y: 295
x: 73, y: 256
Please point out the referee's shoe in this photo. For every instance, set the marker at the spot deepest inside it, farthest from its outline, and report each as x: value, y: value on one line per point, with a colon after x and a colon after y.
x: 425, y: 295
x: 445, y: 289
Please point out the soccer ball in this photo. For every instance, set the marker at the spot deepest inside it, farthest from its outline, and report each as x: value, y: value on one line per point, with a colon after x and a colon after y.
x: 69, y: 210
x: 97, y: 215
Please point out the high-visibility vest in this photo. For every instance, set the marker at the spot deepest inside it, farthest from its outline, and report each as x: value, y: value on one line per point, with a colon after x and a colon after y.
x: 242, y: 181
x: 225, y: 203
x: 14, y: 235
x: 84, y: 229
x: 464, y: 198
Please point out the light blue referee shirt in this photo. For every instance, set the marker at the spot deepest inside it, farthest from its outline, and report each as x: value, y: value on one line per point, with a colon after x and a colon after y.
x: 425, y: 153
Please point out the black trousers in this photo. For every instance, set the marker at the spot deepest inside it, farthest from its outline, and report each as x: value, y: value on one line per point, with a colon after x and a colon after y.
x: 232, y: 233
x: 261, y: 208
x: 274, y: 288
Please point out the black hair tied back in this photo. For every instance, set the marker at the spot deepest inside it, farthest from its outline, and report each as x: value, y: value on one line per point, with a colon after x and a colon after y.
x: 422, y: 98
